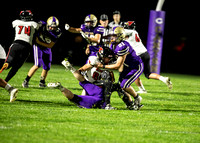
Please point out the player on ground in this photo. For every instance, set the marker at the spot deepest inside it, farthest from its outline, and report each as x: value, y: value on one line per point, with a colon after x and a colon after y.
x: 128, y: 63
x: 13, y: 91
x: 133, y: 38
x: 95, y: 94
x: 87, y: 30
x: 46, y: 37
x: 20, y: 49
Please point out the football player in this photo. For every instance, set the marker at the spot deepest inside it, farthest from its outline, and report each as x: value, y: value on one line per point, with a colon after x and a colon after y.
x: 128, y: 63
x: 133, y: 38
x: 100, y: 31
x: 94, y: 97
x: 13, y: 91
x: 20, y: 49
x: 86, y: 29
x: 94, y: 74
x: 46, y: 37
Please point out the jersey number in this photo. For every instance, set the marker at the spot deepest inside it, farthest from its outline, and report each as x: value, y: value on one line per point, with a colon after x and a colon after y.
x: 27, y: 30
x: 137, y: 39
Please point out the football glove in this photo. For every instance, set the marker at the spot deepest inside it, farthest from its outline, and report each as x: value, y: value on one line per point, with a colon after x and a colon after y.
x: 67, y: 26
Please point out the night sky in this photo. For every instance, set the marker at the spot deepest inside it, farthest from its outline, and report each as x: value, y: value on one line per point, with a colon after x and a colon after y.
x: 180, y: 48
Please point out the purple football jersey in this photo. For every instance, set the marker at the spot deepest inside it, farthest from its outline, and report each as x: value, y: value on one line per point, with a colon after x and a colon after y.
x: 95, y: 47
x: 132, y: 60
x: 89, y: 31
x: 47, y: 36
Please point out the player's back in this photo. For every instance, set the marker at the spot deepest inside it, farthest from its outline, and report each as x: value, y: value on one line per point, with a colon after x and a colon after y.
x: 123, y: 48
x: 24, y: 30
x: 135, y: 41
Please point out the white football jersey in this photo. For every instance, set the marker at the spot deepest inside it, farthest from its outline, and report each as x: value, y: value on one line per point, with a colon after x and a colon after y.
x: 135, y: 41
x: 24, y: 30
x: 94, y: 73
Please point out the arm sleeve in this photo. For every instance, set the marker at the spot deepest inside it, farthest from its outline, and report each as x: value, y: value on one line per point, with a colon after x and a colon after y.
x: 99, y: 30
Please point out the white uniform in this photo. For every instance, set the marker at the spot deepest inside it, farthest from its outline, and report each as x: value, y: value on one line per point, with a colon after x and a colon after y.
x: 24, y: 30
x: 2, y: 53
x: 135, y: 41
x: 94, y: 73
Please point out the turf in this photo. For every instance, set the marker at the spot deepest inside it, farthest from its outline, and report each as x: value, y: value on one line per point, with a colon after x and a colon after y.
x: 45, y: 115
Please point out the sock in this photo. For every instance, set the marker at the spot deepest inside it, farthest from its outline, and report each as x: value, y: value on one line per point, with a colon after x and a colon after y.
x: 61, y: 88
x: 27, y: 78
x: 136, y: 96
x: 163, y: 79
x: 8, y: 87
x: 42, y: 80
x: 72, y: 69
x: 141, y: 88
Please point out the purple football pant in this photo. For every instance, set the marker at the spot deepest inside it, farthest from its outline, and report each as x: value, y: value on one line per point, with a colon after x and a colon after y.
x: 42, y: 56
x: 93, y: 98
x: 129, y: 75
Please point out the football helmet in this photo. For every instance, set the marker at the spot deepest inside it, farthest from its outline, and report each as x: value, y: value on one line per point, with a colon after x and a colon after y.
x: 26, y: 15
x: 129, y: 25
x: 91, y: 18
x: 52, y: 23
x: 119, y: 33
x: 106, y: 53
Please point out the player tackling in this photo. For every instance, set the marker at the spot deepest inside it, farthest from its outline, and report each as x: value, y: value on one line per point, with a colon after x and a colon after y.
x: 128, y: 63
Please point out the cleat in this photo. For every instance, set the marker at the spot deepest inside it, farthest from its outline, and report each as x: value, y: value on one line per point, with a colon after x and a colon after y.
x: 141, y: 91
x: 169, y: 83
x: 13, y: 94
x: 135, y: 107
x: 5, y: 66
x: 54, y: 85
x: 136, y: 104
x: 132, y: 107
x: 109, y: 107
x: 140, y: 106
x: 42, y: 85
x: 66, y: 64
x: 25, y: 84
x: 138, y: 100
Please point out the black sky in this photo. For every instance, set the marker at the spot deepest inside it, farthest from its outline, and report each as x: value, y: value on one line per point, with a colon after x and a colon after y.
x: 180, y: 27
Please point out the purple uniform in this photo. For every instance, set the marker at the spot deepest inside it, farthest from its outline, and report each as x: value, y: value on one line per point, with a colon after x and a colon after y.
x: 94, y: 48
x: 133, y: 66
x: 93, y: 98
x: 88, y: 31
x: 43, y: 55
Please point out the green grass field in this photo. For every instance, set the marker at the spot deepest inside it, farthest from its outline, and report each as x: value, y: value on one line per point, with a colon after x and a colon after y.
x: 45, y: 115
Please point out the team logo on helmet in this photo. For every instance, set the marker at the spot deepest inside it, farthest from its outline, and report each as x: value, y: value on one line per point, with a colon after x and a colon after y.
x: 119, y: 33
x: 91, y: 18
x: 52, y: 22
